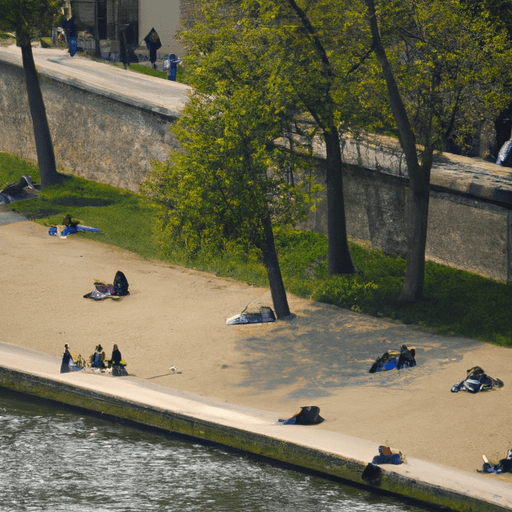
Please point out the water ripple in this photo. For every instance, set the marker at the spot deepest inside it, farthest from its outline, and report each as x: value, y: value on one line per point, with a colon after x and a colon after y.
x: 51, y: 459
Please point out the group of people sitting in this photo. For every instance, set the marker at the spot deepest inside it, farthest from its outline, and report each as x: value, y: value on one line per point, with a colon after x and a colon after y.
x: 115, y: 362
x: 97, y: 360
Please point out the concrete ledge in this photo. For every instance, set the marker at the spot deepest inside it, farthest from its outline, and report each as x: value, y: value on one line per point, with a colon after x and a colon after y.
x: 451, y: 173
x: 248, y: 430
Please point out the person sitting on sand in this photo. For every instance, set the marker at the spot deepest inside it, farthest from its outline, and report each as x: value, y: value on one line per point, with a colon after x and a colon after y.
x: 70, y: 363
x: 117, y: 363
x: 394, y: 359
x: 476, y: 380
x: 116, y: 358
x: 98, y: 358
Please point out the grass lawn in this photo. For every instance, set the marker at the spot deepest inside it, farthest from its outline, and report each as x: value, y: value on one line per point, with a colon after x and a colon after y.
x: 456, y: 303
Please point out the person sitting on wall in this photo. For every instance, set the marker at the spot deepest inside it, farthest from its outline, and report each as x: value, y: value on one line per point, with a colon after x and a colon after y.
x: 505, y: 154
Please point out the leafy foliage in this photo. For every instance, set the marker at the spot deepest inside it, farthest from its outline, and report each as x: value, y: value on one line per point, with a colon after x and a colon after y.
x: 452, y: 68
x: 228, y: 178
x: 295, y: 54
x: 29, y: 18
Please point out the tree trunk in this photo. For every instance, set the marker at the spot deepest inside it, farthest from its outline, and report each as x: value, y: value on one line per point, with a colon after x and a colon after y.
x: 44, y: 146
x: 97, y: 45
x: 338, y: 253
x: 417, y: 220
x: 416, y: 215
x: 275, y: 278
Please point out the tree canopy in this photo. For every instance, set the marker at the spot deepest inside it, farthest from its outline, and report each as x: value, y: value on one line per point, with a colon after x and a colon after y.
x: 427, y: 71
x: 228, y: 184
x: 305, y: 70
x: 451, y: 67
x: 29, y: 18
x: 446, y: 73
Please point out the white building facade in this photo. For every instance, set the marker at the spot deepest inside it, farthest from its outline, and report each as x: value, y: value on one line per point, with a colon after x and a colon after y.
x: 137, y: 16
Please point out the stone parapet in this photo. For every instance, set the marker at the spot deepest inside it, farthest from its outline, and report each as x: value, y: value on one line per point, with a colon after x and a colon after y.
x: 450, y: 173
x: 470, y: 223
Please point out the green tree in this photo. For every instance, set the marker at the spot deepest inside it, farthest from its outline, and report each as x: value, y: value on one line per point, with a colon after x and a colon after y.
x: 443, y: 69
x: 500, y: 14
x: 225, y: 188
x: 29, y: 19
x: 314, y: 78
x: 304, y: 68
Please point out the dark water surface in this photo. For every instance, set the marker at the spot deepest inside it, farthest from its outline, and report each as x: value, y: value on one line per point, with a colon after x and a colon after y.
x: 55, y: 459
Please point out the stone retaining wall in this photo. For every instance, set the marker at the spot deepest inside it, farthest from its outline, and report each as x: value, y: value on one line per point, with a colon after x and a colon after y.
x: 94, y: 136
x: 470, y: 214
x: 109, y: 141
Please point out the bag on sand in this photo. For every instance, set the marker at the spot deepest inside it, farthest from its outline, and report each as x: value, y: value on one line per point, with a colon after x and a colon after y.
x: 309, y: 415
x: 119, y: 370
x: 120, y: 284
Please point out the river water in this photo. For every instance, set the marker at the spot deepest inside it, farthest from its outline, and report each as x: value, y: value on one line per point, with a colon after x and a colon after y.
x: 52, y: 458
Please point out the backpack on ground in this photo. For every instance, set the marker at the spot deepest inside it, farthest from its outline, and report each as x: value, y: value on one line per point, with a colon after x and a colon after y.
x: 120, y: 284
x: 119, y: 371
x: 309, y: 415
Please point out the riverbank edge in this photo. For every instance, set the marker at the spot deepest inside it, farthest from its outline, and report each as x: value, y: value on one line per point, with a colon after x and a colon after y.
x: 322, y: 463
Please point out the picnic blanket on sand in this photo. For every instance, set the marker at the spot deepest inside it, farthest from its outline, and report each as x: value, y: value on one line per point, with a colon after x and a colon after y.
x: 103, y: 290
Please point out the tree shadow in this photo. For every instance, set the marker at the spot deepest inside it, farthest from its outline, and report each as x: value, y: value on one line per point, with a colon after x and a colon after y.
x: 326, y: 348
x: 78, y: 201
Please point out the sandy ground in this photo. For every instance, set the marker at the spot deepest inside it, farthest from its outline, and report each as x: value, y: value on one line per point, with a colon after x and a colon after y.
x: 177, y: 317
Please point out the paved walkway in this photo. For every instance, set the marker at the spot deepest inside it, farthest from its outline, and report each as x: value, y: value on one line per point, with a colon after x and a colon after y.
x: 261, y: 423
x: 155, y: 94
x: 10, y: 218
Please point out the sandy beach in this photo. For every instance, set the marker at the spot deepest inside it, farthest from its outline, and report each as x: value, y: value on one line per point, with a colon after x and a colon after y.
x: 177, y: 317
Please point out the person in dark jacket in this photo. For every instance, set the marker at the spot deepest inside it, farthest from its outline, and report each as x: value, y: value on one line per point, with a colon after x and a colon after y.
x: 153, y: 44
x: 66, y: 359
x: 71, y: 35
x: 117, y: 363
x: 116, y: 358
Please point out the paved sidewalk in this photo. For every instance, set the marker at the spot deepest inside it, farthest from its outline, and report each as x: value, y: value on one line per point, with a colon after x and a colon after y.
x: 261, y: 423
x: 10, y: 217
x: 152, y: 93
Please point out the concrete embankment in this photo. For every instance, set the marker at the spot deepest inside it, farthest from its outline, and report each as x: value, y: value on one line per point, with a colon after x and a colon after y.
x: 246, y: 429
